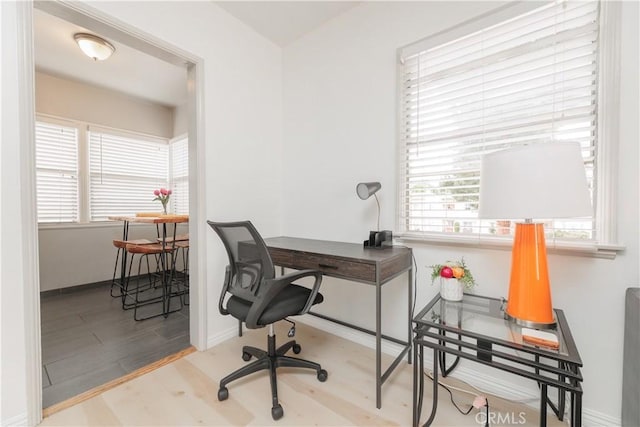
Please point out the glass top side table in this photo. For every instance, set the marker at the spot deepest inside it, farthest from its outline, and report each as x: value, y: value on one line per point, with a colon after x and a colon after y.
x: 476, y: 329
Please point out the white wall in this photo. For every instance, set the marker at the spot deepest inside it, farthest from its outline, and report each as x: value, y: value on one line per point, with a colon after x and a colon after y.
x: 340, y: 129
x: 180, y: 120
x: 95, y: 105
x: 13, y: 375
x: 76, y: 255
x: 242, y: 101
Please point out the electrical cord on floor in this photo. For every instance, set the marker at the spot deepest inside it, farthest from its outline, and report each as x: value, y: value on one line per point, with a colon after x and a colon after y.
x: 478, y: 402
x: 449, y: 388
x: 415, y: 284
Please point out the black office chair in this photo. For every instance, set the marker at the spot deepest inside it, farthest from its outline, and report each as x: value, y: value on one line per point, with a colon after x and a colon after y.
x: 259, y: 299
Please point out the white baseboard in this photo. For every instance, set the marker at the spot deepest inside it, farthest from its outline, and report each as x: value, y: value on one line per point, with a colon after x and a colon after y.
x: 591, y: 418
x: 221, y: 337
x: 18, y: 420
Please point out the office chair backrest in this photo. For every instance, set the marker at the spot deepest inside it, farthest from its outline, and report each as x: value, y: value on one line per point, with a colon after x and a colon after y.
x: 249, y: 260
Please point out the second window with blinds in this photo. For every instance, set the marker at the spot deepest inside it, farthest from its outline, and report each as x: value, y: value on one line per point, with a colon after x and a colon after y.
x: 517, y: 77
x: 87, y: 173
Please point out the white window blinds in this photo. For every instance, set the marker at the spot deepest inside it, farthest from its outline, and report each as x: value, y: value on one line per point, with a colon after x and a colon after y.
x: 529, y: 79
x: 56, y: 172
x: 179, y: 150
x: 124, y: 172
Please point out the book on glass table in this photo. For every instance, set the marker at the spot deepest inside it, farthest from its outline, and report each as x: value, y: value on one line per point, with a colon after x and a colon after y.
x: 540, y: 338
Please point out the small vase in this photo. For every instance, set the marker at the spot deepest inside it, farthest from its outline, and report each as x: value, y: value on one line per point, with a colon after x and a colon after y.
x: 164, y: 209
x: 451, y: 289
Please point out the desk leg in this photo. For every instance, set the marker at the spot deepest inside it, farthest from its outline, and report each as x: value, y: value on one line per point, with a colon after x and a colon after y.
x: 123, y: 266
x: 409, y: 311
x: 576, y: 420
x: 163, y: 263
x: 418, y: 383
x: 561, y: 394
x: 543, y: 405
x: 167, y: 262
x: 576, y: 402
x: 434, y: 402
x: 378, y: 345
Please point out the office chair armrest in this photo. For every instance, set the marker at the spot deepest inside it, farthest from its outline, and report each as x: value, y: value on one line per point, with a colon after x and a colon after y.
x: 225, y: 287
x: 274, y: 287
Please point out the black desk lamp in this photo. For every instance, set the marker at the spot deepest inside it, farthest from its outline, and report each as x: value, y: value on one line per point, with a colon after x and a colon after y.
x: 377, y: 239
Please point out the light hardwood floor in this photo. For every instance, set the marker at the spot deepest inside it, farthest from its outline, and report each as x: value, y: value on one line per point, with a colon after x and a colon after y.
x: 184, y: 392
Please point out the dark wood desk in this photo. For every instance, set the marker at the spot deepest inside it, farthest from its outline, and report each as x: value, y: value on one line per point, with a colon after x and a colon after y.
x: 352, y: 262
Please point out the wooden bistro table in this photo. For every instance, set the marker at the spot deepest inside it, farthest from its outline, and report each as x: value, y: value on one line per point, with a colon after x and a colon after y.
x: 167, y: 237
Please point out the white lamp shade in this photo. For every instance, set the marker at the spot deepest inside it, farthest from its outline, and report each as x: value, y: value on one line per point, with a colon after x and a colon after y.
x: 541, y: 181
x: 94, y: 46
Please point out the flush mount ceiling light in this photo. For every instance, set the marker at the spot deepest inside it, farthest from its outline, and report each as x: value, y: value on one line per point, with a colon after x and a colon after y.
x: 93, y: 46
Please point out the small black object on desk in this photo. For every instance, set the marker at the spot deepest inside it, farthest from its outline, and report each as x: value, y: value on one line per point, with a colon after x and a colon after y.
x: 379, y: 239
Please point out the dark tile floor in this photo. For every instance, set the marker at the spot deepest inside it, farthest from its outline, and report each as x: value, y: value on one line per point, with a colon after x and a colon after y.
x: 89, y: 340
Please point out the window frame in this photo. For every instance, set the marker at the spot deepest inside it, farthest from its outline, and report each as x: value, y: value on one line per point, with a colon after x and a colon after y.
x: 179, y: 139
x: 67, y: 124
x: 139, y: 144
x: 84, y: 172
x: 605, y: 244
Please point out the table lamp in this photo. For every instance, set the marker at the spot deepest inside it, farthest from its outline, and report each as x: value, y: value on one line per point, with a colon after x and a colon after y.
x: 377, y: 239
x: 541, y: 181
x: 368, y: 189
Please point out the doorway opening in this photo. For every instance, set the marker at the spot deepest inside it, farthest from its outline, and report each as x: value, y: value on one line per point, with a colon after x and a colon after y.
x: 194, y: 321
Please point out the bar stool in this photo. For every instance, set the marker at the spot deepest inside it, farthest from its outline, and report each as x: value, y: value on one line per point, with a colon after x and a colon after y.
x: 158, y: 288
x: 183, y: 247
x: 117, y: 282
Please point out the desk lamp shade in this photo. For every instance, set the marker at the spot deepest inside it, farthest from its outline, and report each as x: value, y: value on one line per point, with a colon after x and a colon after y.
x: 367, y: 189
x: 541, y: 181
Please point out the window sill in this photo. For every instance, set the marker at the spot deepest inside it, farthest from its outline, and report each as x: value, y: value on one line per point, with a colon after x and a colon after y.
x: 571, y: 248
x: 78, y: 225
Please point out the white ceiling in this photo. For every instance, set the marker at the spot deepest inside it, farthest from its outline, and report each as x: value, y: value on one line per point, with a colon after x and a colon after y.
x: 285, y: 21
x: 141, y: 75
x: 127, y: 70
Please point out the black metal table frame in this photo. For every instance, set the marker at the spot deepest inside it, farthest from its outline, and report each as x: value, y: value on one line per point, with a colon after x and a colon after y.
x: 406, y: 345
x: 166, y: 278
x: 482, y: 351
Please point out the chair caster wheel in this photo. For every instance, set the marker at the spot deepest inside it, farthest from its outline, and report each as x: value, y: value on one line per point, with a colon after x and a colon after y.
x: 277, y: 412
x: 322, y: 375
x: 246, y: 356
x: 223, y: 394
x: 296, y: 348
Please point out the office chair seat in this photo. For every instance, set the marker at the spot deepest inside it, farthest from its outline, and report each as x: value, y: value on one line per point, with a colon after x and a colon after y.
x: 290, y: 302
x: 253, y: 294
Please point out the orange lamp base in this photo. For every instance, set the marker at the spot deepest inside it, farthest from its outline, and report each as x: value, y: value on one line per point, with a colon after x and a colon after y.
x: 529, y: 302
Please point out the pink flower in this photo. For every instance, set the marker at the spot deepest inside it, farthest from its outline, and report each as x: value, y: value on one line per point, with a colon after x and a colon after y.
x: 163, y: 191
x: 156, y: 192
x: 169, y: 192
